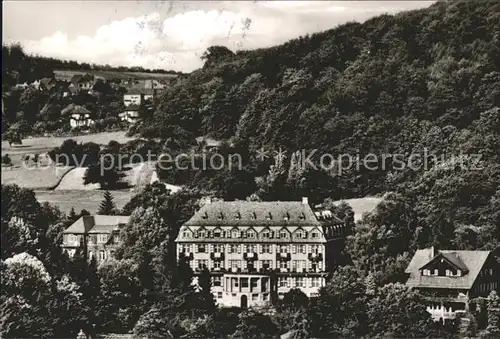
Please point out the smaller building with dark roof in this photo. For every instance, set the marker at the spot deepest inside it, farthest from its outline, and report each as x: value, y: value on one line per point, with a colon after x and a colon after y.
x: 83, y: 82
x: 451, y: 279
x: 79, y: 116
x: 98, y: 235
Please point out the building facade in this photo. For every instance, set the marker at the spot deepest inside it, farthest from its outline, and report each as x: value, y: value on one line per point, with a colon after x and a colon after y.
x: 133, y: 96
x: 83, y: 82
x: 256, y: 251
x: 98, y: 235
x: 450, y: 280
x: 131, y: 114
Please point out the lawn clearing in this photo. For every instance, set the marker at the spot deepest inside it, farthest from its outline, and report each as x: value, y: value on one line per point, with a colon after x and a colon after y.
x: 361, y: 205
x: 79, y: 199
x: 40, y: 145
x: 36, y: 178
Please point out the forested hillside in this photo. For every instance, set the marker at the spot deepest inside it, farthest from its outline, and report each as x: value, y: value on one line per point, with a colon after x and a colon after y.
x: 422, y: 82
x: 438, y: 64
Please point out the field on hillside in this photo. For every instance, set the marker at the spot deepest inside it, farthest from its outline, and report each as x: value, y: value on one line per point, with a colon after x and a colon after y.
x: 68, y: 74
x: 40, y: 145
x: 361, y: 205
x: 36, y: 178
x: 80, y: 199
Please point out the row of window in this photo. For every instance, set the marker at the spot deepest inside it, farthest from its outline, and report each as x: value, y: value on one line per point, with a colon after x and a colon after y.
x: 447, y: 273
x: 250, y: 248
x: 488, y: 287
x: 292, y: 282
x: 101, y: 238
x: 255, y: 296
x: 486, y: 272
x: 253, y: 216
x: 102, y: 255
x: 294, y: 265
x: 250, y: 234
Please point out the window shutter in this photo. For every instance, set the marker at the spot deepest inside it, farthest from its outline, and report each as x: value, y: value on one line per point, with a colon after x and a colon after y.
x: 239, y: 248
x: 294, y: 249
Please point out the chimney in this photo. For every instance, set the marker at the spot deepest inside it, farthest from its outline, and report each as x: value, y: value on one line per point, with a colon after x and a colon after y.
x: 305, y: 201
x: 432, y: 251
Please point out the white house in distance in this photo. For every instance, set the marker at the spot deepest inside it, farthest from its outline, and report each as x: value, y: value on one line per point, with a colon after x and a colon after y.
x: 79, y: 116
x: 133, y: 96
x: 131, y: 114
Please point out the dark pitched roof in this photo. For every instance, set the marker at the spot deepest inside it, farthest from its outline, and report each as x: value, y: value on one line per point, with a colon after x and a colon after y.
x: 246, y: 213
x: 48, y: 82
x: 79, y: 78
x: 134, y: 91
x: 76, y: 78
x: 451, y: 257
x: 97, y: 224
x: 75, y: 109
x: 472, y: 260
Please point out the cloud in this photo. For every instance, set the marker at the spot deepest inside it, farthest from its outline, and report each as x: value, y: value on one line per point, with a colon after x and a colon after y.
x: 177, y: 41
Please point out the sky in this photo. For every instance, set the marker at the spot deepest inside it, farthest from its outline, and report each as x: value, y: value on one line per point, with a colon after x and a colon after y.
x: 172, y: 34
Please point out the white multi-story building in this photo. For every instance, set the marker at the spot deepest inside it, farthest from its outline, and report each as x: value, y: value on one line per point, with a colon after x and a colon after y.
x: 256, y: 251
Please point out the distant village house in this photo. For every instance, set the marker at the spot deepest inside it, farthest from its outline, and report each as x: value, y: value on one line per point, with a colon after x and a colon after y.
x: 131, y: 114
x: 82, y: 82
x: 79, y: 116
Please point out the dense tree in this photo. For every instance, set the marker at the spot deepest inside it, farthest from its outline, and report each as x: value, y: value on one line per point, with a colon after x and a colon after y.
x: 107, y: 206
x: 205, y: 299
x: 383, y: 239
x: 254, y: 325
x: 120, y: 304
x: 6, y: 160
x: 493, y: 328
x: 395, y: 311
x: 33, y: 302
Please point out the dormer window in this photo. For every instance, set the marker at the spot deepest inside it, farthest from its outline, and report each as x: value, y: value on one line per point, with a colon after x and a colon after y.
x: 302, y: 216
x: 250, y: 234
x: 283, y: 234
x: 221, y: 216
x: 453, y: 273
x: 217, y: 234
x: 253, y: 216
x: 205, y: 216
x: 237, y: 216
x: 286, y: 216
x: 299, y: 234
x: 269, y: 216
x: 234, y: 233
